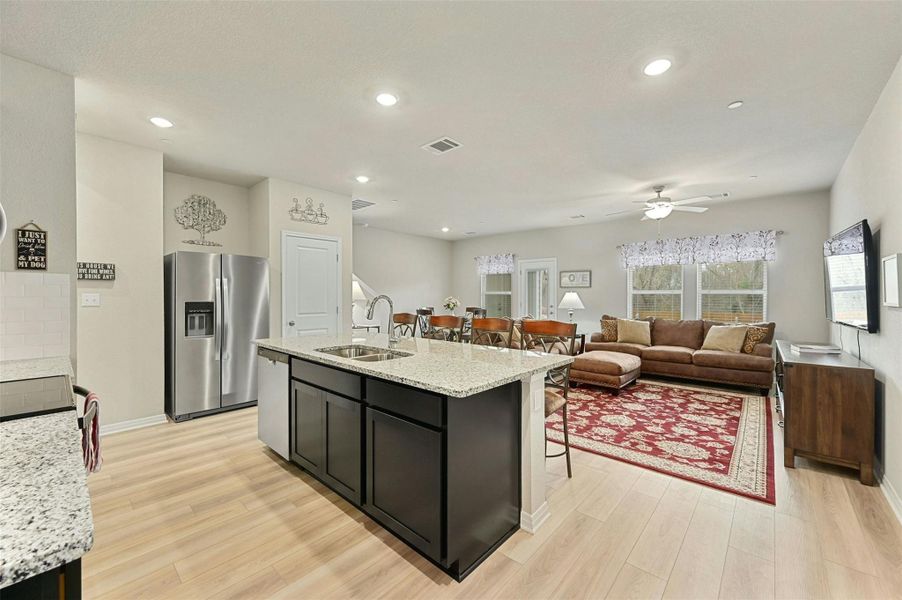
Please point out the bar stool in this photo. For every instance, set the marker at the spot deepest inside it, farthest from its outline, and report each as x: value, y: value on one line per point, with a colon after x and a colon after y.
x: 445, y: 327
x: 423, y: 315
x: 554, y: 337
x: 492, y: 332
x: 405, y: 324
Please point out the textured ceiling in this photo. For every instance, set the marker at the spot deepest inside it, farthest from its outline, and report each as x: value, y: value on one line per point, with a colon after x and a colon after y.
x: 548, y: 99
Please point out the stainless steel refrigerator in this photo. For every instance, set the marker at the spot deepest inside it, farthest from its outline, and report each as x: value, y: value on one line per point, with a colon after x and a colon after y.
x: 215, y: 306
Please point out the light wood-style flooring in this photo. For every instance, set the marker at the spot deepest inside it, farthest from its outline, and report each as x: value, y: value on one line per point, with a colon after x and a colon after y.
x: 202, y: 510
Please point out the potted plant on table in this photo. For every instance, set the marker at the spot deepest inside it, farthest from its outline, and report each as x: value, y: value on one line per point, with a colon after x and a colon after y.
x: 451, y: 303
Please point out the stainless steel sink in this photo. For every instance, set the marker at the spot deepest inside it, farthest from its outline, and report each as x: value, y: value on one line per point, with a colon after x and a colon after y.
x: 363, y: 353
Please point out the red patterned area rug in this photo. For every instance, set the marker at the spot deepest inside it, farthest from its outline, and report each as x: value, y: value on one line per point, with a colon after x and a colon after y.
x: 718, y: 438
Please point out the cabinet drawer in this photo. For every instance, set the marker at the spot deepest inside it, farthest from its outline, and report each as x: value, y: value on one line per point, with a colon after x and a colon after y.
x: 416, y: 405
x: 329, y: 378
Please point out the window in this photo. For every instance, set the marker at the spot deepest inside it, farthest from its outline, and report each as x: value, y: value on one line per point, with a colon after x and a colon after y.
x: 733, y: 292
x: 655, y: 292
x: 496, y: 294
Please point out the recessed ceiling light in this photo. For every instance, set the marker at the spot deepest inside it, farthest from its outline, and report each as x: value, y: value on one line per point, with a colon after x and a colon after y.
x: 735, y: 104
x: 165, y: 140
x: 446, y: 229
x: 161, y: 122
x: 362, y: 178
x: 657, y: 67
x: 386, y: 99
x: 366, y: 224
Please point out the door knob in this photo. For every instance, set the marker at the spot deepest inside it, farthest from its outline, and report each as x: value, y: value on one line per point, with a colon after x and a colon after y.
x: 291, y: 323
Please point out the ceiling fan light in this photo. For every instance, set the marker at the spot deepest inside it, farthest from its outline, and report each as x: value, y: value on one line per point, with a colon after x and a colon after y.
x: 659, y: 211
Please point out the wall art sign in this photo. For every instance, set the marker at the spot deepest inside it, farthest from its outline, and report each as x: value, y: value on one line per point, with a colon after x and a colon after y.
x: 200, y: 214
x: 576, y: 279
x: 97, y: 271
x: 308, y: 214
x: 31, y: 247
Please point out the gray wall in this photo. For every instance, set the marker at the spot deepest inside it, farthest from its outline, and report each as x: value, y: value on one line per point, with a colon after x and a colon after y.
x: 414, y: 270
x: 795, y: 279
x: 868, y: 187
x: 37, y: 164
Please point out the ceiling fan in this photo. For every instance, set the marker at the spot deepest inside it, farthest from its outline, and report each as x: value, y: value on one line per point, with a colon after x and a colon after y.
x: 660, y: 207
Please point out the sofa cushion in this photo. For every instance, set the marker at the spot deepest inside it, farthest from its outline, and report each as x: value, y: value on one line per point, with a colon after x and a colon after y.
x: 754, y: 336
x: 677, y: 354
x: 606, y: 362
x: 769, y: 326
x: 687, y: 334
x: 732, y: 360
x: 728, y: 338
x: 634, y: 349
x: 634, y: 332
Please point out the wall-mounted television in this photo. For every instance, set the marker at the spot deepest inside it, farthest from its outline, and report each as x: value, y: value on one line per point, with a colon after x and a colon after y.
x: 851, y: 278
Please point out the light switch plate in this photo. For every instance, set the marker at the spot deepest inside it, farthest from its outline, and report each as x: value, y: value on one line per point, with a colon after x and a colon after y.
x: 90, y: 299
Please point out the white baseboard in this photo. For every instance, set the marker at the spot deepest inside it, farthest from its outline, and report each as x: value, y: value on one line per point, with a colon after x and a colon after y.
x: 532, y: 522
x: 892, y: 496
x: 133, y: 424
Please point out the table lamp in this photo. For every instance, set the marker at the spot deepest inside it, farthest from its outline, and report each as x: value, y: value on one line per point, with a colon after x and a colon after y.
x: 357, y: 292
x: 571, y: 301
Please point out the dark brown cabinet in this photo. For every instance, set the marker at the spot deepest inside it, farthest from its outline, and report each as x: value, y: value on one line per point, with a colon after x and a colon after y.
x: 828, y: 409
x: 404, y: 479
x: 325, y: 437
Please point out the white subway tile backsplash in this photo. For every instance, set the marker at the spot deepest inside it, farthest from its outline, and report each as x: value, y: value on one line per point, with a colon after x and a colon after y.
x: 35, y: 314
x: 12, y: 315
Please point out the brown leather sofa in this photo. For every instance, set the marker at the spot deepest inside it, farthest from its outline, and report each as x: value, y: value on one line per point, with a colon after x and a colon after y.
x: 675, y: 351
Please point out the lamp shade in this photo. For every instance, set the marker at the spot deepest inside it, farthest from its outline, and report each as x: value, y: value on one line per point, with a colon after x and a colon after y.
x: 357, y: 292
x: 571, y: 301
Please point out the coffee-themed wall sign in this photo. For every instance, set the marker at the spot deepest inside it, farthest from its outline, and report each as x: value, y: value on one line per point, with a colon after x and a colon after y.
x: 97, y: 271
x: 31, y: 247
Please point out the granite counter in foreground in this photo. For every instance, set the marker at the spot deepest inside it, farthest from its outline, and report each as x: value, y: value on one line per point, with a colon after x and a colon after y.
x: 447, y: 368
x: 45, y: 508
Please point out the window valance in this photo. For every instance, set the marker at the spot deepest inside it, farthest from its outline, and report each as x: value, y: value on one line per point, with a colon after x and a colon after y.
x: 720, y: 248
x: 495, y: 264
x: 850, y: 241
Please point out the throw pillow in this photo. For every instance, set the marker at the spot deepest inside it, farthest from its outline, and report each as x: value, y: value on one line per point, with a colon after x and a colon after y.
x: 753, y: 337
x: 634, y: 332
x: 609, y: 330
x: 728, y: 338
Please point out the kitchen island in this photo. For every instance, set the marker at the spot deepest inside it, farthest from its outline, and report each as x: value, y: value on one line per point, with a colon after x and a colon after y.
x: 442, y: 443
x: 45, y: 510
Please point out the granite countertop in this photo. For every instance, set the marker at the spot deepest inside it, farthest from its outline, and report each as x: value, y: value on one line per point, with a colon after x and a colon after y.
x: 33, y: 368
x: 45, y: 509
x: 447, y: 368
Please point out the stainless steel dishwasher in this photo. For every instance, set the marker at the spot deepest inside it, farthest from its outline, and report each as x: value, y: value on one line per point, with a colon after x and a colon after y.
x: 272, y: 400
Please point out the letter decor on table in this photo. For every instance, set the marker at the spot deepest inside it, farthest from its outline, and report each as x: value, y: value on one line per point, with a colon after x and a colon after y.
x: 31, y: 247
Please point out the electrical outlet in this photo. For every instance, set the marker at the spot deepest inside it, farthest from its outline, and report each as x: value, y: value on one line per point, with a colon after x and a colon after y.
x: 90, y: 299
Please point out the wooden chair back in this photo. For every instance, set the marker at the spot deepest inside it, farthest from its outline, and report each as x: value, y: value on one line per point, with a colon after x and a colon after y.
x: 470, y: 313
x: 405, y: 324
x: 553, y: 337
x: 492, y: 332
x: 445, y: 327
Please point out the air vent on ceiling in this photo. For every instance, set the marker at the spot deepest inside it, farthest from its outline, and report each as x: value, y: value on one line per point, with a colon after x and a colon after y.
x: 574, y: 217
x: 441, y: 145
x: 357, y: 204
x: 469, y: 233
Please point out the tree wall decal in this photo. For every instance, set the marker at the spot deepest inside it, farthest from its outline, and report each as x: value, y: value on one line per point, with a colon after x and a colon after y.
x: 200, y: 214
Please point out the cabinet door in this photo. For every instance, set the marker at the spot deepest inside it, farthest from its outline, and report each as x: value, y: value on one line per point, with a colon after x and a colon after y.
x: 342, y: 430
x: 307, y: 406
x: 404, y: 479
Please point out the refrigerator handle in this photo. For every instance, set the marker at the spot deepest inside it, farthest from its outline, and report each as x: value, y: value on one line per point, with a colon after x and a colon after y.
x: 217, y: 321
x: 226, y: 316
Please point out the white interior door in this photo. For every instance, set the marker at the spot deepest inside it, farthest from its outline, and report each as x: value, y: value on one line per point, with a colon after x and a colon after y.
x: 538, y: 287
x: 311, y: 295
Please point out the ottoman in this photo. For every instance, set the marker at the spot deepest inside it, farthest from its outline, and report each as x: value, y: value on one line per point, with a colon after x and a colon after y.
x: 613, y: 370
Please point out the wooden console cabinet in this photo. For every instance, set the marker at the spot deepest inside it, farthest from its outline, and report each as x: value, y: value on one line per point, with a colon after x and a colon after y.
x: 828, y: 409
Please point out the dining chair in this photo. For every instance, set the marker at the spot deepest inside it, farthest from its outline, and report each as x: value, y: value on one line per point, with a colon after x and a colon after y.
x: 554, y: 337
x: 423, y: 315
x: 470, y: 313
x: 492, y: 332
x: 445, y: 327
x: 405, y: 324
